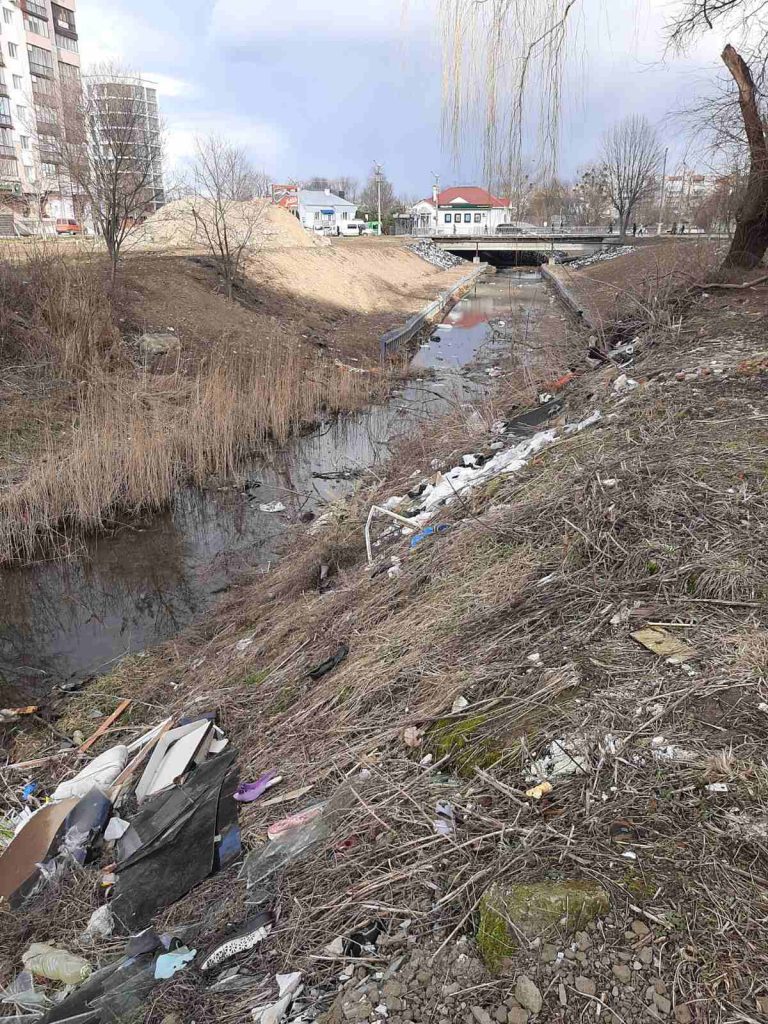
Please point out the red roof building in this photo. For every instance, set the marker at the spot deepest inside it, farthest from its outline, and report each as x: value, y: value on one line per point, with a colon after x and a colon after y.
x: 460, y: 210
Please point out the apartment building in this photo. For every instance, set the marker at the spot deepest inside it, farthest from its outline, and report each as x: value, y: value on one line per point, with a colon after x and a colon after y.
x: 127, y: 110
x: 38, y: 58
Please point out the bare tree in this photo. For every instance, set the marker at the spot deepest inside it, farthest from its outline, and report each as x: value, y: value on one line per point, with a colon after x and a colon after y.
x: 369, y: 197
x: 591, y: 203
x: 224, y: 205
x: 631, y: 155
x: 110, y: 148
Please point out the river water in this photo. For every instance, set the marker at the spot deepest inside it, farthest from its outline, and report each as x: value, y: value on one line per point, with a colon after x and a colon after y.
x: 66, y: 621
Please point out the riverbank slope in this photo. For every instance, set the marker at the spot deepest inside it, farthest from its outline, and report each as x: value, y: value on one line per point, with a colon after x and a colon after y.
x: 590, y: 625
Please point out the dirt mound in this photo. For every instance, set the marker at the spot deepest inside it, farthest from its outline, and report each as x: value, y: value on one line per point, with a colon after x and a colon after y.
x: 174, y: 225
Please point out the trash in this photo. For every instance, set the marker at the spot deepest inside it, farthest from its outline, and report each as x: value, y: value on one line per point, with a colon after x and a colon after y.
x: 413, y: 736
x: 445, y: 823
x: 629, y: 855
x: 459, y: 705
x: 624, y: 384
x: 567, y: 755
x: 272, y: 506
x: 537, y: 792
x: 31, y: 846
x: 115, y: 829
x: 364, y: 939
x: 121, y: 707
x: 248, y: 935
x: 335, y: 948
x: 279, y: 828
x: 55, y: 964
x: 9, y: 715
x: 663, y: 643
x: 289, y: 986
x: 287, y: 983
x: 100, y: 925
x: 22, y: 994
x: 285, y: 798
x: 717, y: 787
x: 428, y: 531
x: 244, y: 644
x: 171, y: 844
x: 100, y: 772
x: 29, y: 790
x: 329, y: 664
x: 292, y: 844
x: 174, y: 751
x: 494, y: 371
x: 167, y: 964
x: 247, y: 792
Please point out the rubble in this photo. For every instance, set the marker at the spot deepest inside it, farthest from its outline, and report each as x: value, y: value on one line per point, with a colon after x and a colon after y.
x: 602, y: 256
x: 427, y: 250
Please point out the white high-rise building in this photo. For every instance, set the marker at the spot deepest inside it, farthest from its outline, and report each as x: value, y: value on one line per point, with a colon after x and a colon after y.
x: 38, y: 57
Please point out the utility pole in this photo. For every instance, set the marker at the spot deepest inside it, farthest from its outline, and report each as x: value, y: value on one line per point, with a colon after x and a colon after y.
x: 378, y: 175
x: 663, y: 191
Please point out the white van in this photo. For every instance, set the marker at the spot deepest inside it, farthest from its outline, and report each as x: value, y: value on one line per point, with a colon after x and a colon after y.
x: 350, y: 227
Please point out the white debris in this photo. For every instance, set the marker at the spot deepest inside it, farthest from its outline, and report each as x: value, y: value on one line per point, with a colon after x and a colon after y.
x: 494, y: 371
x: 272, y: 506
x: 664, y: 751
x: 459, y: 704
x: 116, y: 827
x: 717, y: 787
x: 393, y: 502
x: 244, y: 644
x: 444, y: 824
x: 624, y: 384
x: 567, y: 755
x: 100, y: 925
x: 335, y: 948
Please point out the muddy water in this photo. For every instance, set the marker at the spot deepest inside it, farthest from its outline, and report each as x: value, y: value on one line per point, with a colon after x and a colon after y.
x: 65, y: 621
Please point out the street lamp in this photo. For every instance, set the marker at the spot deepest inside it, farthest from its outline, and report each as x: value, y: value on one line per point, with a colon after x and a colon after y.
x: 378, y: 178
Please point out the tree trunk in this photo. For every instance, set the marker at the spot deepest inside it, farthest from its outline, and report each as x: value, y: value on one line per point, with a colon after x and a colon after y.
x: 750, y: 239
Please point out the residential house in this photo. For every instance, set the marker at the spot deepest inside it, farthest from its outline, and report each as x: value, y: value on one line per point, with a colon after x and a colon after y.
x: 461, y: 210
x: 323, y: 211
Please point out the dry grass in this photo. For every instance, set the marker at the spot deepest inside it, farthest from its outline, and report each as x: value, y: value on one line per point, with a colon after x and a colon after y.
x: 134, y: 440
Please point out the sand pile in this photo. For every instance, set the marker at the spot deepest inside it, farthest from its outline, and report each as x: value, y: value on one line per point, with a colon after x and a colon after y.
x: 271, y: 226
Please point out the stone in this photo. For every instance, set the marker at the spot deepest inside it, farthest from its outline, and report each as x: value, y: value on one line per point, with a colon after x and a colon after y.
x: 158, y: 344
x: 684, y: 1016
x: 500, y: 1014
x: 481, y: 1016
x: 548, y: 953
x: 761, y: 1003
x: 583, y: 941
x: 586, y: 986
x: 623, y: 973
x: 532, y: 909
x: 646, y: 955
x: 662, y: 1004
x: 517, y: 1015
x: 393, y: 988
x: 562, y: 995
x: 527, y: 994
x: 640, y: 927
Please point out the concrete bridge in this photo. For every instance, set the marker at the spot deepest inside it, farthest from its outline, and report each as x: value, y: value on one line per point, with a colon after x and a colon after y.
x: 525, y: 248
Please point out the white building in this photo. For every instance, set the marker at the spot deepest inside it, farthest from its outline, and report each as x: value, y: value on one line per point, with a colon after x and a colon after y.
x: 462, y: 210
x: 38, y: 55
x: 324, y: 212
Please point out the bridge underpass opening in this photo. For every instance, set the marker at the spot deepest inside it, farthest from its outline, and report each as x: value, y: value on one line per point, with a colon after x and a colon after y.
x: 503, y: 258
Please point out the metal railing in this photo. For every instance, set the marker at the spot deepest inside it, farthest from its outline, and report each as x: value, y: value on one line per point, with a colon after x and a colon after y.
x: 40, y: 69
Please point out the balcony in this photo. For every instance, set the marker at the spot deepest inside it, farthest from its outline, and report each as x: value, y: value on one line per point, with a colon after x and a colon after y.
x: 35, y: 9
x: 7, y: 152
x: 40, y: 69
x: 5, y: 121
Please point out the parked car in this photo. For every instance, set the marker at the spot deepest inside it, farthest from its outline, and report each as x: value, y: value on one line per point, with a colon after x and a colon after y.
x: 67, y: 226
x: 512, y: 229
x: 351, y: 227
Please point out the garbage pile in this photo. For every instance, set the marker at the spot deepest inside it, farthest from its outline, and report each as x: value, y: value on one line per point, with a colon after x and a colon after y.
x: 601, y: 257
x: 435, y: 255
x: 154, y: 817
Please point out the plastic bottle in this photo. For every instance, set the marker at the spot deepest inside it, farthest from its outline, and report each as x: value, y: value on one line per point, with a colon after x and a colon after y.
x: 56, y: 964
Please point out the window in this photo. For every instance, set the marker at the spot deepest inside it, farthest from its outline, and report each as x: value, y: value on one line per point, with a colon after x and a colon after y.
x: 477, y: 218
x: 66, y: 43
x: 47, y: 115
x: 449, y: 218
x: 21, y: 112
x: 5, y: 108
x: 49, y: 170
x: 68, y: 72
x: 467, y: 218
x: 6, y: 142
x: 40, y: 61
x: 36, y: 25
x: 13, y: 50
x: 344, y: 215
x: 9, y: 167
x: 17, y: 82
x: 24, y: 141
x: 7, y: 16
x: 317, y: 215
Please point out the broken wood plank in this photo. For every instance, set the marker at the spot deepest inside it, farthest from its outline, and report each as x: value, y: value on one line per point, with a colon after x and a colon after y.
x: 121, y: 707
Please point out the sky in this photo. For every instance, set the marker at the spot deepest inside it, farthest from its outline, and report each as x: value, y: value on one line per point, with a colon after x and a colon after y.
x: 326, y: 87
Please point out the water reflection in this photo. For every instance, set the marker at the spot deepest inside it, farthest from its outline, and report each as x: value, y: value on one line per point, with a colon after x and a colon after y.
x: 146, y: 582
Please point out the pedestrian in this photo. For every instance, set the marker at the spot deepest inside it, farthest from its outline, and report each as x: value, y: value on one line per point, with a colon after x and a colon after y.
x: 674, y: 228
x: 634, y: 230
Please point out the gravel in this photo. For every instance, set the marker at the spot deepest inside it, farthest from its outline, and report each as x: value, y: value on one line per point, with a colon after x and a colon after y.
x: 434, y: 254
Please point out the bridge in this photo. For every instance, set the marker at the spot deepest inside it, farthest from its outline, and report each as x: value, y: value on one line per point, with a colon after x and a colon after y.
x: 525, y: 247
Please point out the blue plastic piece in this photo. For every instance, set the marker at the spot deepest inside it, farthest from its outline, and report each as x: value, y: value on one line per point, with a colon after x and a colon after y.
x: 428, y: 531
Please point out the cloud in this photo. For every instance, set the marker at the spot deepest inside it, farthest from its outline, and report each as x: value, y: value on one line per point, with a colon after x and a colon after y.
x: 111, y: 31
x: 264, y: 142
x: 167, y: 85
x: 248, y: 22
